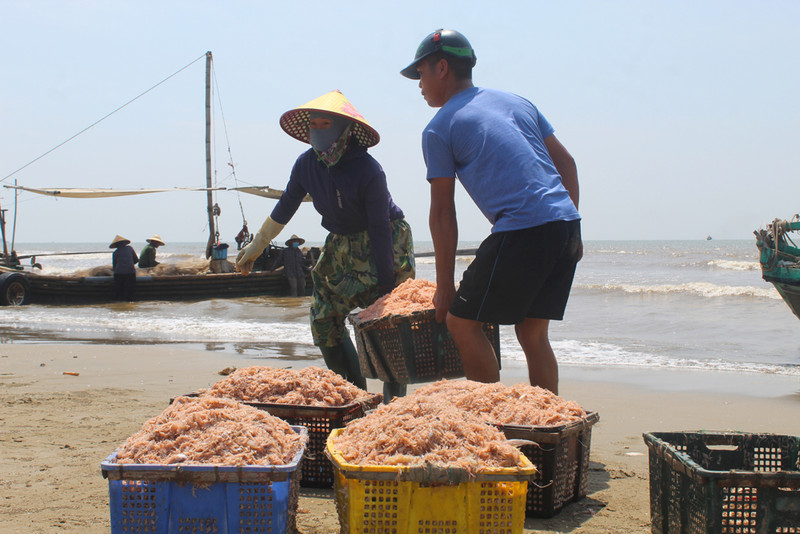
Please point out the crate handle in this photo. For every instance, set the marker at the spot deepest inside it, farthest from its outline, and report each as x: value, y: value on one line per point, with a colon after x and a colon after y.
x: 516, y: 442
x: 722, y: 447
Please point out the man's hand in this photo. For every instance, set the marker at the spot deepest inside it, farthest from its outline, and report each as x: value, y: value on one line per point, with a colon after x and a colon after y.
x: 442, y: 300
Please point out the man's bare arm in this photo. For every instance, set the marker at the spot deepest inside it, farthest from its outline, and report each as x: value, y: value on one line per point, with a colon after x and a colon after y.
x: 566, y: 167
x: 444, y: 232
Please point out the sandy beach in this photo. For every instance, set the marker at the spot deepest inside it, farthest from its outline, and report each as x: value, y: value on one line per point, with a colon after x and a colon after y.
x: 56, y: 428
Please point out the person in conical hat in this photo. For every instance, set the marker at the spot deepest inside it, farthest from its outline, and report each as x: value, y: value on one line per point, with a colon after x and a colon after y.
x: 123, y: 263
x: 119, y: 241
x: 369, y: 248
x: 295, y: 265
x: 295, y: 241
x: 147, y: 257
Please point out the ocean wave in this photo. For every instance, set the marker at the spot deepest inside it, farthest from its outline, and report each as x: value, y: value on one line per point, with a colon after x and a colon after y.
x: 134, y: 326
x: 593, y: 354
x: 735, y: 265
x: 701, y: 289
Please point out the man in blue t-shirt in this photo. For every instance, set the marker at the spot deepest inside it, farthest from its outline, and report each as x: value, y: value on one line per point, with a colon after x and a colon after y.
x: 524, y: 181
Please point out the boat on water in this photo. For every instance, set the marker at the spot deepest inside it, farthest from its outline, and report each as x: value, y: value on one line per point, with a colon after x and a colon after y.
x: 21, y: 284
x: 780, y: 259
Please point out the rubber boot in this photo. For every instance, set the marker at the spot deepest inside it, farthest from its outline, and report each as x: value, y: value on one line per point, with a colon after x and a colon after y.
x: 342, y: 359
x: 392, y: 390
x: 335, y: 359
x: 353, y: 367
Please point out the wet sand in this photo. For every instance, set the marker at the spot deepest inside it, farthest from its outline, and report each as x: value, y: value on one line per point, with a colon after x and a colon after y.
x: 56, y: 428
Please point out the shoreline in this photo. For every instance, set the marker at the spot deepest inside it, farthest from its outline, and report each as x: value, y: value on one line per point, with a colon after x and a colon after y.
x: 57, y: 428
x: 666, y: 379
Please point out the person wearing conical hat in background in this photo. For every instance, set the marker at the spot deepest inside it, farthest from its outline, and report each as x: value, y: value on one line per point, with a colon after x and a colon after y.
x: 295, y: 266
x: 369, y: 249
x: 123, y: 262
x: 147, y: 257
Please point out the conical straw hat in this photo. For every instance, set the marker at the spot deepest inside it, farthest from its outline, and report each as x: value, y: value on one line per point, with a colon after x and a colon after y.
x: 294, y: 237
x: 119, y: 241
x: 156, y: 239
x: 295, y: 122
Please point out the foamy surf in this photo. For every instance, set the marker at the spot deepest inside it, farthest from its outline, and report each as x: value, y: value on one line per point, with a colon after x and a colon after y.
x: 699, y: 289
x: 593, y: 354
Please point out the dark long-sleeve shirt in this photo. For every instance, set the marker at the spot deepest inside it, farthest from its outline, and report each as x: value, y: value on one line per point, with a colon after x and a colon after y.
x: 352, y: 196
x: 293, y: 261
x: 124, y: 259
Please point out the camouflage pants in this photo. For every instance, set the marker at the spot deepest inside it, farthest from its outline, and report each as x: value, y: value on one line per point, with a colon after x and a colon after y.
x: 346, y: 278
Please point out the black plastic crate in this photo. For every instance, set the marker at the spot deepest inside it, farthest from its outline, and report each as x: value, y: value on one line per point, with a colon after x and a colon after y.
x: 412, y: 348
x: 316, y: 471
x: 724, y: 483
x: 561, y: 457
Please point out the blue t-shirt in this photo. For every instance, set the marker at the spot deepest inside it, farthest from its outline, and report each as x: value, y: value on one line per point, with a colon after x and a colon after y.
x: 493, y: 142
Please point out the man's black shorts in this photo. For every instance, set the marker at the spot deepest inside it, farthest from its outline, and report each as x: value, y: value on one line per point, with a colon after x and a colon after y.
x: 520, y: 274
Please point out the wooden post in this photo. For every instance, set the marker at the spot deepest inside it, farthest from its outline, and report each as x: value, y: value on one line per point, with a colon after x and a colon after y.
x: 3, y: 229
x: 209, y: 195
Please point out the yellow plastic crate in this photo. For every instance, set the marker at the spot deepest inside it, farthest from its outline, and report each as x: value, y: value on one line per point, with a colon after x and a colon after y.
x: 430, y: 500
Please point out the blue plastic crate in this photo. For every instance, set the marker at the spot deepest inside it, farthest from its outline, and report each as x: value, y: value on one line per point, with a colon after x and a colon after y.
x: 167, y: 499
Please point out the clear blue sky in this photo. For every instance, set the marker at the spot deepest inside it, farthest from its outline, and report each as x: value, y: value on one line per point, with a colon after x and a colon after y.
x: 683, y: 116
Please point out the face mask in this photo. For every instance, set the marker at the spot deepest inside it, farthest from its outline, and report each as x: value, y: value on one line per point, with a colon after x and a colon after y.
x: 321, y: 140
x: 295, y: 244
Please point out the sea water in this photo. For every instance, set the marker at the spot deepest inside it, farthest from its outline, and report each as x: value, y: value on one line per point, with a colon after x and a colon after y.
x: 697, y: 309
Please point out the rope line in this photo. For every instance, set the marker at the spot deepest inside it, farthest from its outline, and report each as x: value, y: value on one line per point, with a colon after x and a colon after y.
x: 228, y: 144
x: 102, y: 119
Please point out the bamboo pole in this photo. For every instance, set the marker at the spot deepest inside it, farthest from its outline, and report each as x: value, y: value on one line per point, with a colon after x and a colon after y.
x: 209, y: 194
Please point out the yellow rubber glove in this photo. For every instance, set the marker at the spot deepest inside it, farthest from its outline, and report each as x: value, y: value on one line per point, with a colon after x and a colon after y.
x: 269, y: 231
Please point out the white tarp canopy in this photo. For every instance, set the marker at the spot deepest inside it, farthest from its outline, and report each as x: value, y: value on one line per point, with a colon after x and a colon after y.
x: 76, y: 192
x: 264, y: 191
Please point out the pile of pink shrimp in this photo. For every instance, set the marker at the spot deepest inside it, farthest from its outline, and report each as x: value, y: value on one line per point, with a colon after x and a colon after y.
x: 310, y: 386
x: 413, y: 295
x: 214, y: 431
x: 497, y: 403
x: 416, y: 430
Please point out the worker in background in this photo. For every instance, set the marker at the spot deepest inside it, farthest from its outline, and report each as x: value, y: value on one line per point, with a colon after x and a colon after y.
x: 123, y: 262
x: 147, y: 258
x: 295, y: 266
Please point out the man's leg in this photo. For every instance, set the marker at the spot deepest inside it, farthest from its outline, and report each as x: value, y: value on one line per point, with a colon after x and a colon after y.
x: 542, y: 365
x: 477, y: 354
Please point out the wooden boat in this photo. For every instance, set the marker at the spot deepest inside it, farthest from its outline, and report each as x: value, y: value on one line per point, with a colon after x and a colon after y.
x: 19, y: 286
x: 780, y: 259
x: 88, y: 289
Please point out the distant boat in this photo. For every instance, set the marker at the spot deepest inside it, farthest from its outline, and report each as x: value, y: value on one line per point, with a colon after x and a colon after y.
x: 708, y: 238
x: 780, y: 259
x: 19, y: 287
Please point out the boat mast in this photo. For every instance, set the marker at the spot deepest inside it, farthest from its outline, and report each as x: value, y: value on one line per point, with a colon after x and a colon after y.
x: 6, y: 259
x: 209, y: 195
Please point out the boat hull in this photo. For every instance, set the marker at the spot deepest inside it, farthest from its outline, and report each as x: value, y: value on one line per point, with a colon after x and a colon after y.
x: 47, y: 289
x: 789, y: 292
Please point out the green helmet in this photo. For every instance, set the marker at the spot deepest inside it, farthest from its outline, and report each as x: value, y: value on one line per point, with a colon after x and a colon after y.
x: 447, y: 41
